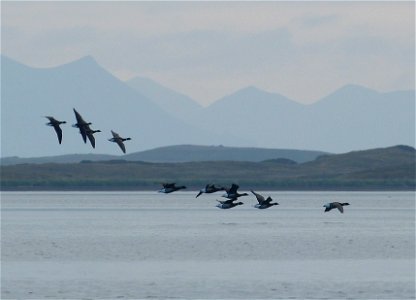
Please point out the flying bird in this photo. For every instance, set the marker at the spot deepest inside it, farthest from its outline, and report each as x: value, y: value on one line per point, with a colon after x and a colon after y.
x: 231, y: 193
x: 228, y: 204
x: 170, y: 187
x: 333, y: 205
x: 55, y: 124
x: 119, y: 140
x: 84, y: 129
x: 210, y: 188
x: 262, y: 202
x: 81, y: 125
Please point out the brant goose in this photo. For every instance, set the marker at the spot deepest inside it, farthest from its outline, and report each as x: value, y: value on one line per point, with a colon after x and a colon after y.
x: 228, y: 204
x: 55, y: 124
x: 333, y: 205
x: 232, y: 193
x: 119, y: 140
x: 210, y: 188
x: 263, y: 203
x: 84, y: 129
x: 81, y: 125
x: 170, y: 187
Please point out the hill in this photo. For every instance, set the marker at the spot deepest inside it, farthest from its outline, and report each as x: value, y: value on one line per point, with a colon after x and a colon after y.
x: 390, y: 168
x: 188, y: 153
x: 179, y: 153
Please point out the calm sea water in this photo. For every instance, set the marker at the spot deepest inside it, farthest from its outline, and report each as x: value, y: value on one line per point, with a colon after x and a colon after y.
x: 134, y: 245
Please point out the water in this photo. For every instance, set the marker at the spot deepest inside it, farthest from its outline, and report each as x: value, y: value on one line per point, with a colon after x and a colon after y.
x: 94, y: 245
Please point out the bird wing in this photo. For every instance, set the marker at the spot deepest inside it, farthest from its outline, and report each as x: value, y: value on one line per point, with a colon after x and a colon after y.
x: 339, y: 206
x: 115, y: 135
x: 82, y: 125
x: 259, y: 197
x: 51, y: 119
x: 268, y: 200
x: 233, y: 189
x: 58, y: 132
x: 80, y: 120
x: 121, y: 145
x: 91, y: 137
x: 83, y: 133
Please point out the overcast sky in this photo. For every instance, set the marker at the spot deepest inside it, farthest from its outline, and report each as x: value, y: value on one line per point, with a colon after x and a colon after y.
x: 303, y: 50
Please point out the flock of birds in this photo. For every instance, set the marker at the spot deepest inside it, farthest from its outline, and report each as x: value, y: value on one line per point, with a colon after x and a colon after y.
x: 85, y: 131
x: 232, y: 195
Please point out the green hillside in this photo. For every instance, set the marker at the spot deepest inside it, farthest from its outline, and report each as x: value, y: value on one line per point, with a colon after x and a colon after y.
x: 376, y: 169
x: 178, y: 153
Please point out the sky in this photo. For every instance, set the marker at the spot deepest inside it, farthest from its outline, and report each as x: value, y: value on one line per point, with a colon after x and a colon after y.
x: 206, y: 50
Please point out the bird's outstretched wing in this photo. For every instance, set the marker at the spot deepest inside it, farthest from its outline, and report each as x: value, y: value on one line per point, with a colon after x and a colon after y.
x: 80, y: 120
x: 339, y: 206
x: 58, y: 133
x: 115, y: 135
x: 90, y: 136
x: 259, y: 197
x: 233, y: 189
x: 121, y: 145
x: 51, y: 119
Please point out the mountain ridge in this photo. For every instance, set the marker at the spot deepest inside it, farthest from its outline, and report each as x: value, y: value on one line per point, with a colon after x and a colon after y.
x: 100, y: 97
x: 352, y: 117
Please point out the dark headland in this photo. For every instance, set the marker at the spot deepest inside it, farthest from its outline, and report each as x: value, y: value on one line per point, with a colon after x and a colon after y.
x: 391, y: 168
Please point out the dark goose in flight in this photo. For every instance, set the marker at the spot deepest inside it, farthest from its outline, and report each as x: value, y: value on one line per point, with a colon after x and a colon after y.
x: 119, y: 140
x: 170, y: 187
x: 232, y: 193
x: 333, y: 205
x: 228, y: 204
x: 263, y: 203
x: 55, y: 124
x: 210, y: 188
x: 84, y: 129
x: 82, y: 126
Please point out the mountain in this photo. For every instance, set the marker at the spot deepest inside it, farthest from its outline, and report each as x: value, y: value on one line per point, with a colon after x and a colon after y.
x: 28, y: 94
x: 179, y: 153
x: 176, y: 104
x: 361, y: 117
x: 391, y: 168
x: 265, y: 118
x: 352, y: 117
x: 187, y: 153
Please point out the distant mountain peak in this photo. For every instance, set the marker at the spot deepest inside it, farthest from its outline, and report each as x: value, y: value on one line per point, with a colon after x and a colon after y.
x: 85, y: 61
x: 251, y: 89
x: 252, y: 96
